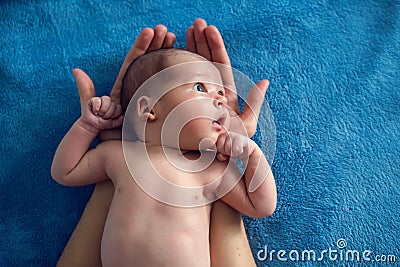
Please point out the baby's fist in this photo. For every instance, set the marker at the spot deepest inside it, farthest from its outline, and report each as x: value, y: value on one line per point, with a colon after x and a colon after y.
x: 100, y: 113
x: 234, y: 145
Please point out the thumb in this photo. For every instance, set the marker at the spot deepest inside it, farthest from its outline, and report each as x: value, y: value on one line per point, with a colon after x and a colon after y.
x: 251, y: 110
x: 84, y: 84
x: 222, y: 157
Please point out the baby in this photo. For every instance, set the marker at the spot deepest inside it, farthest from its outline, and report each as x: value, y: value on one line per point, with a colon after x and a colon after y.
x: 165, y: 171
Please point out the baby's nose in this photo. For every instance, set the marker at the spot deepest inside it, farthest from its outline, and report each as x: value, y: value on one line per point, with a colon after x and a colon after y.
x: 219, y: 99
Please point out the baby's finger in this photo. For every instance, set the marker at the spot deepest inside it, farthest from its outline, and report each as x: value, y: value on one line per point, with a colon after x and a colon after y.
x: 117, y: 122
x: 110, y: 123
x: 95, y: 103
x: 237, y: 147
x: 105, y: 105
x: 117, y: 111
x: 110, y: 111
x: 228, y: 146
x: 222, y: 157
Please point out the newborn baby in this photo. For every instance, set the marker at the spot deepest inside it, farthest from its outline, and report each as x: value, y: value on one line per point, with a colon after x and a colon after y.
x: 165, y: 172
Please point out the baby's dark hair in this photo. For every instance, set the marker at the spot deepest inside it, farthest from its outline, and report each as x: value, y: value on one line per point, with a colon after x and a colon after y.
x: 145, y: 66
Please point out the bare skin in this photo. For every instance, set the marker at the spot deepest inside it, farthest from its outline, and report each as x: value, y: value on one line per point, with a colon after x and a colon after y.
x: 83, y: 248
x: 140, y: 230
x: 229, y: 246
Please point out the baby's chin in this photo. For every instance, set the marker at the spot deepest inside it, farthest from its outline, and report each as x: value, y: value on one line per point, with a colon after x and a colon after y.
x: 202, y: 145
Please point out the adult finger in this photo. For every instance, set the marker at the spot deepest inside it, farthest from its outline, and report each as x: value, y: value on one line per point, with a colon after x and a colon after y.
x: 160, y: 31
x: 220, y: 55
x: 84, y: 84
x: 251, y: 110
x: 190, y: 40
x: 217, y: 46
x: 138, y: 48
x: 199, y: 26
x: 169, y: 40
x: 229, y: 85
x: 230, y: 92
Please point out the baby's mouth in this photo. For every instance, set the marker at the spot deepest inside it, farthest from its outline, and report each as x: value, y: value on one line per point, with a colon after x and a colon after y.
x: 221, y: 121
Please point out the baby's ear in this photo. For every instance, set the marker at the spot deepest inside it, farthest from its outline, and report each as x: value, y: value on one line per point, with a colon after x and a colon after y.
x: 144, y: 111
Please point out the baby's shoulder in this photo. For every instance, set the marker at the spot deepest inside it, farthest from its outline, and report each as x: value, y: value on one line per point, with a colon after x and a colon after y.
x: 110, y: 145
x: 110, y: 149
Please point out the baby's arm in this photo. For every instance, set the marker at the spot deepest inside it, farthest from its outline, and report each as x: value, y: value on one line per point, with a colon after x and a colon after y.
x: 254, y: 195
x: 73, y: 164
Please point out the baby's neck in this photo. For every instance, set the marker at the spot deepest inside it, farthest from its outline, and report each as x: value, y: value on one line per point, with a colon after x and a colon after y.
x: 167, y: 149
x: 172, y: 152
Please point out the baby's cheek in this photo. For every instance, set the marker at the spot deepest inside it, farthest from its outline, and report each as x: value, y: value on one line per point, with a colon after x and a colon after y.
x: 199, y: 131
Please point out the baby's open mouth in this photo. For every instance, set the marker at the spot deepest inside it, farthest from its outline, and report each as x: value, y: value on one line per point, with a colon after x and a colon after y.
x: 220, y: 121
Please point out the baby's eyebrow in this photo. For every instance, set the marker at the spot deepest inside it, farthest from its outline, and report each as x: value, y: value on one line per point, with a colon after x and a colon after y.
x: 180, y: 74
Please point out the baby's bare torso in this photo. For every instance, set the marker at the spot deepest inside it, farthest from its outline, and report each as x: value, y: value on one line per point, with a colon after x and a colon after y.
x: 142, y: 231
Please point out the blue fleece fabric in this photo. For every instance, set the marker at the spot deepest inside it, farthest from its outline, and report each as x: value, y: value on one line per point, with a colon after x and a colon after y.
x: 334, y: 68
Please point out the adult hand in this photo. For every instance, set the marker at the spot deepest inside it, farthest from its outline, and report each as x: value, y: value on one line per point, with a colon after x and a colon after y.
x: 148, y: 40
x: 207, y: 41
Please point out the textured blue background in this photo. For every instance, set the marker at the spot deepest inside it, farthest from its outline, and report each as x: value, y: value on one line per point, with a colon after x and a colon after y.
x: 334, y: 68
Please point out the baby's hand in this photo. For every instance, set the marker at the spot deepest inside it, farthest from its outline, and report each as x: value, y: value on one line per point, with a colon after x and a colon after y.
x: 234, y: 145
x: 100, y: 113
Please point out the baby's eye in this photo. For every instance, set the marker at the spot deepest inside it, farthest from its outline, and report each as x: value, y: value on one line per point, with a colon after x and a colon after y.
x: 199, y: 87
x: 221, y: 92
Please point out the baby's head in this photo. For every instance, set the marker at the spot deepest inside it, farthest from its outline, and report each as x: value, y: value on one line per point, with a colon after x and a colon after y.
x: 145, y: 66
x: 174, y: 98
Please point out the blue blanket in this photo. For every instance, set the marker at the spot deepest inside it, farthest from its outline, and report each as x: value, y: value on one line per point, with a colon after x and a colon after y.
x: 334, y: 68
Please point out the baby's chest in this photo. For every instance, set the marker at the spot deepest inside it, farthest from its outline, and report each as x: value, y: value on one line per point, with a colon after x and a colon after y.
x: 178, y: 181
x: 193, y: 188
x: 171, y: 186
